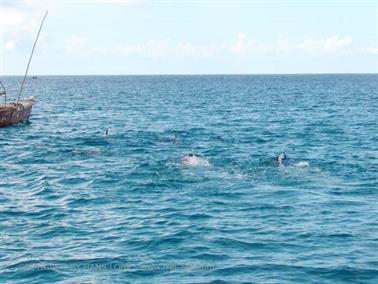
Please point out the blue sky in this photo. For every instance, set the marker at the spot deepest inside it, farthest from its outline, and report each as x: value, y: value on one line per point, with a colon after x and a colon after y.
x: 190, y: 37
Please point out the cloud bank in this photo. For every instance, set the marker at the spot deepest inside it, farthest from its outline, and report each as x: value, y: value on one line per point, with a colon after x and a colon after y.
x: 242, y: 46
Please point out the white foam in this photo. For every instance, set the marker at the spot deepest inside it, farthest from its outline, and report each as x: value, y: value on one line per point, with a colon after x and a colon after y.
x: 302, y: 164
x: 195, y: 161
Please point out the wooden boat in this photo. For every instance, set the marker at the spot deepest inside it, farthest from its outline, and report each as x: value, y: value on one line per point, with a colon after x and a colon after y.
x: 20, y: 110
x: 12, y: 113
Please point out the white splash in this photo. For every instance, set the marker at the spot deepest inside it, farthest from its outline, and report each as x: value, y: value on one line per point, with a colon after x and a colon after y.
x: 193, y: 160
x: 302, y: 165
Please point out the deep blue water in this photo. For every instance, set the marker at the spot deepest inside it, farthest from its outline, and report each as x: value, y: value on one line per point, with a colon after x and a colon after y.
x: 77, y: 207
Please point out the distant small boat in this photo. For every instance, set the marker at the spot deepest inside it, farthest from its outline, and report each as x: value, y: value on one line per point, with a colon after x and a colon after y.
x: 20, y: 110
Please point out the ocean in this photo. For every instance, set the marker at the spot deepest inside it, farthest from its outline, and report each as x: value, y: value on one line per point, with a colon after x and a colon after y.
x: 80, y: 207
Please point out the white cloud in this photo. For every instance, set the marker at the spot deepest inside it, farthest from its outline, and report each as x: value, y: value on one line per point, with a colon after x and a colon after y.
x: 75, y: 43
x: 156, y: 48
x: 241, y: 47
x: 372, y: 50
x: 17, y: 26
x: 150, y: 48
x: 241, y: 44
x: 283, y: 47
x: 332, y: 44
x: 10, y: 17
x: 16, y: 19
x: 186, y: 49
x: 9, y: 45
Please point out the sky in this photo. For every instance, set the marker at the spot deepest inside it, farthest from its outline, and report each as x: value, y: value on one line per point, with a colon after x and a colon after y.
x: 100, y: 37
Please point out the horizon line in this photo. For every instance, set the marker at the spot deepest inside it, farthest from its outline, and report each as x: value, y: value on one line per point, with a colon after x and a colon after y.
x: 195, y: 74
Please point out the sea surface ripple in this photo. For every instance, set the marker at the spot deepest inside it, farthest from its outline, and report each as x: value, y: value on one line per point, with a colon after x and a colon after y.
x: 78, y: 207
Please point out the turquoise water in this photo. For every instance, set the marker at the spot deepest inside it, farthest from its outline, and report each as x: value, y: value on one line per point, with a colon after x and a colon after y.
x: 77, y: 207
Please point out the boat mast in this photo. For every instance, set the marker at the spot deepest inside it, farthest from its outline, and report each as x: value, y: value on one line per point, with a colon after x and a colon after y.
x: 31, y: 55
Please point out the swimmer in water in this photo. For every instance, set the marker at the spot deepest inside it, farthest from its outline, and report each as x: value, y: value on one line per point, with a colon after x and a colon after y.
x: 193, y: 160
x: 283, y: 161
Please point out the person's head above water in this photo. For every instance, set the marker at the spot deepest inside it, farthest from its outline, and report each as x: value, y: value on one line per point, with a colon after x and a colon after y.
x: 191, y: 155
x: 281, y: 157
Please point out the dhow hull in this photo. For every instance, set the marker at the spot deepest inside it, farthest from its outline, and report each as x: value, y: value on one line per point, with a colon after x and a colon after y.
x: 12, y: 114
